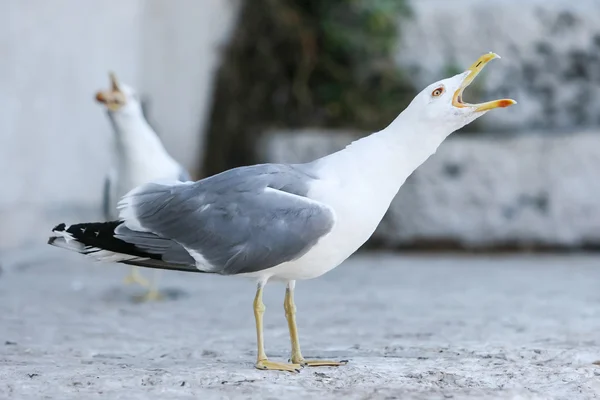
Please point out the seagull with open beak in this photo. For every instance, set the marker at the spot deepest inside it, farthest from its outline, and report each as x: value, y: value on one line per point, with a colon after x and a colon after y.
x: 280, y: 222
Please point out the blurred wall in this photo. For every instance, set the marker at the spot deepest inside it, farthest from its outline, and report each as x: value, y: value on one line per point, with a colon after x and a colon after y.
x: 504, y: 192
x: 54, y: 139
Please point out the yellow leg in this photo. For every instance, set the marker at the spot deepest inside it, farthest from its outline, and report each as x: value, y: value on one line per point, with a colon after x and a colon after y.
x: 262, y: 361
x: 153, y: 294
x: 135, y: 277
x: 290, y: 315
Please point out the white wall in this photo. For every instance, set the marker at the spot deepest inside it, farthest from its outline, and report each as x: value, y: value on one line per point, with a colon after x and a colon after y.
x: 180, y: 51
x: 54, y: 55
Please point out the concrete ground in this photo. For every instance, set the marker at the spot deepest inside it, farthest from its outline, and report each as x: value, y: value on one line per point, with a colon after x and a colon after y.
x: 413, y: 327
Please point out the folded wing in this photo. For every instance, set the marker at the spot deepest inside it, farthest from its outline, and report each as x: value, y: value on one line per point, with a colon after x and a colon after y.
x: 244, y: 220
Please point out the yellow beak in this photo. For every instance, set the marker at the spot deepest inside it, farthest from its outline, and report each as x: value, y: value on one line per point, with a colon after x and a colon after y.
x: 113, y: 99
x: 474, y: 70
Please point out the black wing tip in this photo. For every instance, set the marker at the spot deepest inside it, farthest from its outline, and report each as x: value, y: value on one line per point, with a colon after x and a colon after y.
x: 59, y: 228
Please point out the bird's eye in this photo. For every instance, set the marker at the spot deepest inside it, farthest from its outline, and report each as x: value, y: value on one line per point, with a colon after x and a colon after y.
x: 438, y: 92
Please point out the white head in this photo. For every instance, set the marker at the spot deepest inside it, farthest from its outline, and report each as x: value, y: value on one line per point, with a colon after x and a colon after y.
x: 120, y: 99
x: 440, y: 107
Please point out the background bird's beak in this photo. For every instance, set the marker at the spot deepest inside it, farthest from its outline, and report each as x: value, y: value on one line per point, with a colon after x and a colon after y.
x: 114, y: 83
x: 114, y: 98
x: 474, y: 70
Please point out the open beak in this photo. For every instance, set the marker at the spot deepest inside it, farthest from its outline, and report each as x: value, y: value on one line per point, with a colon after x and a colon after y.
x: 114, y: 83
x: 474, y: 70
x: 114, y: 98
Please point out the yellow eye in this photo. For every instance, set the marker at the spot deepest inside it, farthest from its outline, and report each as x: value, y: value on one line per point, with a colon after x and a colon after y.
x: 438, y: 92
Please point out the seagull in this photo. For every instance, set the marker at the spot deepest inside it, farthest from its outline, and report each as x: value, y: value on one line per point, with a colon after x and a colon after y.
x: 139, y: 158
x: 280, y: 222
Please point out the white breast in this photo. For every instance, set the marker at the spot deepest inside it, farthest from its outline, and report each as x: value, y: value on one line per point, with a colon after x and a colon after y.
x: 358, y: 183
x: 358, y: 207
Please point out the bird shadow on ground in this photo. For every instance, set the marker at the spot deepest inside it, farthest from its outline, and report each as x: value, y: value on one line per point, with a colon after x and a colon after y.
x: 132, y: 296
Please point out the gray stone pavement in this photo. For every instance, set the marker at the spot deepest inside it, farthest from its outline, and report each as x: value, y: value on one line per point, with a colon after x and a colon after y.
x: 413, y: 327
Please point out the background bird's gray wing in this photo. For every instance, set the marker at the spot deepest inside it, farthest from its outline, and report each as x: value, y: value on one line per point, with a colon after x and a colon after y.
x: 243, y: 220
x: 109, y: 210
x: 184, y: 175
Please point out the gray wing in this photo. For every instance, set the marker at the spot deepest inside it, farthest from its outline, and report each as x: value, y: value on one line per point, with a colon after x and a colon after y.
x: 243, y: 220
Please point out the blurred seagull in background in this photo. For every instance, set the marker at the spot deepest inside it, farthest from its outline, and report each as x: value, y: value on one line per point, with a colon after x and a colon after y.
x: 139, y: 157
x: 282, y: 222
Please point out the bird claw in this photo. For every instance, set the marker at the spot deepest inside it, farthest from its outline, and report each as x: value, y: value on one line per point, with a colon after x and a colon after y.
x: 276, y: 366
x: 151, y: 295
x: 320, y: 363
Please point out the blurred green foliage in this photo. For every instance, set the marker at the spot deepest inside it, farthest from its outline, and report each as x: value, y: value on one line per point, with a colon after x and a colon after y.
x: 306, y: 63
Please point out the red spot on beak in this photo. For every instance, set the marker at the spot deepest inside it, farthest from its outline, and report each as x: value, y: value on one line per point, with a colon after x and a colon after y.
x: 505, y: 103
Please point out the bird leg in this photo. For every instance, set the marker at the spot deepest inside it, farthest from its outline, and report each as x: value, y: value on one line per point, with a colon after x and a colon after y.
x: 290, y: 315
x: 153, y: 293
x: 135, y: 277
x: 262, y: 361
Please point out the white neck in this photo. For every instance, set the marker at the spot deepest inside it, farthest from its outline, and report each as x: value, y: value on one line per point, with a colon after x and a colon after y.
x: 360, y: 181
x: 135, y: 140
x: 385, y: 159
